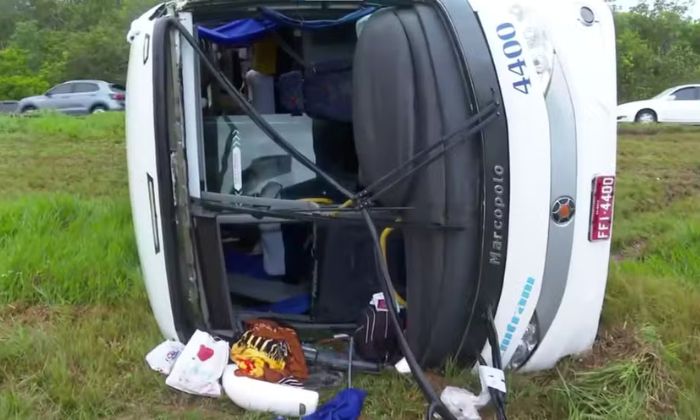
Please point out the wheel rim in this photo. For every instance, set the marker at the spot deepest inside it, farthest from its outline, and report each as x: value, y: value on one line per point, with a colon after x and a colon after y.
x: 98, y: 110
x: 646, y: 117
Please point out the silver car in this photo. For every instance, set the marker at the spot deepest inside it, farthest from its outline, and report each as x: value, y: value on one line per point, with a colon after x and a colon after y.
x: 78, y: 97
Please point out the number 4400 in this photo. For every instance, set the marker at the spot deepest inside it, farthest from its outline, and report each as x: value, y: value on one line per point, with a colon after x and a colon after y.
x: 606, y: 194
x: 513, y: 50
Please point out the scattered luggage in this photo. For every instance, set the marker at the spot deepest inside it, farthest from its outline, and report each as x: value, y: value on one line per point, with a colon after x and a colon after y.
x: 375, y: 339
x: 163, y: 357
x: 347, y: 405
x: 269, y: 352
x: 258, y: 395
x: 200, y: 366
x: 265, y: 370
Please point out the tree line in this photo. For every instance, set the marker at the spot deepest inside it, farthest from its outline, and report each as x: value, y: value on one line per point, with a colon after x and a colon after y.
x: 658, y: 47
x: 44, y: 42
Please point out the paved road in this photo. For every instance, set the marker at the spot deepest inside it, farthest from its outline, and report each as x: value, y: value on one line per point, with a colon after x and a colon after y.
x: 7, y: 107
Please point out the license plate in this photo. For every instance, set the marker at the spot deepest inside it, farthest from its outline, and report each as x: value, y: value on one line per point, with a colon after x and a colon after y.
x: 602, y: 208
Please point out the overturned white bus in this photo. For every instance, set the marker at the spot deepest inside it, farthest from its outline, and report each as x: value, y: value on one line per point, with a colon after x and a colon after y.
x: 290, y: 159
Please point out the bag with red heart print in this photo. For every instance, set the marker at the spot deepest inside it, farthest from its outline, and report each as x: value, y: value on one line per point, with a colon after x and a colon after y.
x: 200, y: 366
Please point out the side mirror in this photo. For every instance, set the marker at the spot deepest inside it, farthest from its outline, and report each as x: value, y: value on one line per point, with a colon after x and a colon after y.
x: 48, y: 94
x: 671, y: 98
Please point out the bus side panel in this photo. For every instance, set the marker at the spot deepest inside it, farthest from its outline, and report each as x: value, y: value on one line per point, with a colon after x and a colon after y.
x: 143, y: 179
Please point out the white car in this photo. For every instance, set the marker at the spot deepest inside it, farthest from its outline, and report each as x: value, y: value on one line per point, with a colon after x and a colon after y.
x: 680, y: 104
x: 500, y: 115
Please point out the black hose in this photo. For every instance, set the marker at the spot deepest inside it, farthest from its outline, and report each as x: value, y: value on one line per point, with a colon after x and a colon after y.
x: 498, y: 397
x: 487, y: 118
x: 430, y: 412
x: 493, y: 339
x: 493, y: 393
x: 404, y: 170
x: 436, y: 405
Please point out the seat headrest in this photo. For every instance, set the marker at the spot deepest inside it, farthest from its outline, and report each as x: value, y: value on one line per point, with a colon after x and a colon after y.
x: 324, y: 91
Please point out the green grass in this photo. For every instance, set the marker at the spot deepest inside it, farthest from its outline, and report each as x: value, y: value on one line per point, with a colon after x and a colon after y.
x: 85, y: 362
x: 75, y: 324
x: 65, y: 222
x: 80, y: 156
x: 61, y: 249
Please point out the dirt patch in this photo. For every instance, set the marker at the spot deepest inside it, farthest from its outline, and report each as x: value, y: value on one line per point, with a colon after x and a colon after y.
x: 36, y: 314
x: 631, y: 252
x: 438, y: 381
x: 27, y: 314
x: 623, y: 344
x: 79, y: 312
x: 618, y: 343
x: 684, y: 184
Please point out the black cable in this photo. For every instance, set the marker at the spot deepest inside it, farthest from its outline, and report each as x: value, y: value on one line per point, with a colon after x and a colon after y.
x: 493, y: 339
x: 499, y: 399
x: 436, y: 405
x: 493, y: 393
x: 465, y: 129
x: 430, y: 412
x: 489, y: 117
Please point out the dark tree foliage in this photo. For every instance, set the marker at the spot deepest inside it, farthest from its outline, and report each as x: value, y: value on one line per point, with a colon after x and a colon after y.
x: 44, y: 42
x: 658, y: 47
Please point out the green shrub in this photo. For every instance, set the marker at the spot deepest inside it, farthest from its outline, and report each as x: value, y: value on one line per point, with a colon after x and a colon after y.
x: 18, y: 87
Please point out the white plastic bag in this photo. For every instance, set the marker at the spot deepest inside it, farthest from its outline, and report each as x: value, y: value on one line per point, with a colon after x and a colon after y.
x: 163, y: 357
x: 461, y: 403
x: 199, y: 367
x: 402, y: 367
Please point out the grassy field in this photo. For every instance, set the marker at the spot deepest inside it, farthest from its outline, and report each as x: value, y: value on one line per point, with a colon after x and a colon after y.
x: 75, y: 323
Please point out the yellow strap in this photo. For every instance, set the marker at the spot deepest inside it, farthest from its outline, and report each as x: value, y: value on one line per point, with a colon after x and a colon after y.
x: 382, y: 239
x: 342, y: 206
x: 318, y: 200
x: 382, y: 243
